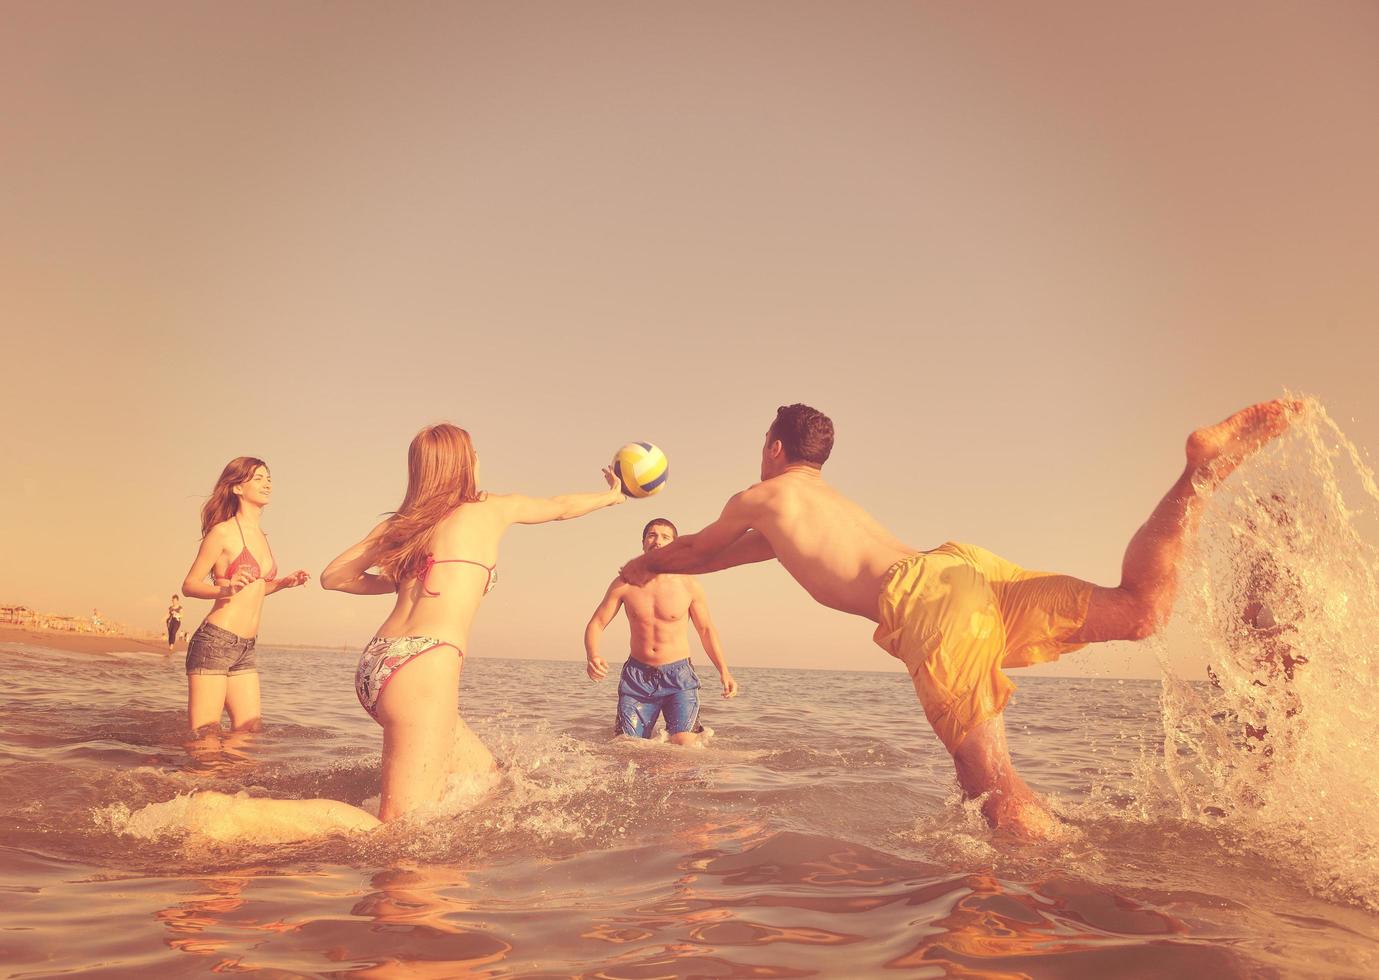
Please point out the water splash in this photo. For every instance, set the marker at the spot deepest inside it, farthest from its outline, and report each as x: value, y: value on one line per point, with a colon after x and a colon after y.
x: 1279, y: 605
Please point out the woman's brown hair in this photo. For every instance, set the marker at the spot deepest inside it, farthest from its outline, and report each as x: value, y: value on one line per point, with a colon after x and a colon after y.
x: 222, y: 503
x: 440, y: 477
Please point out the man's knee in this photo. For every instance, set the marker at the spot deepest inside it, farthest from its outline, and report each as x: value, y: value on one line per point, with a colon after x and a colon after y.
x: 1142, y: 627
x: 1121, y: 614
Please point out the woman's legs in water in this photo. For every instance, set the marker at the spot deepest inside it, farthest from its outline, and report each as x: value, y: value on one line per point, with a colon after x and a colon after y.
x: 205, y: 699
x: 242, y: 698
x: 470, y: 756
x: 419, y: 711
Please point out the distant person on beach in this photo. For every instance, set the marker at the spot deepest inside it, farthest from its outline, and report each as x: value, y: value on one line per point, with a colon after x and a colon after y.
x: 658, y: 677
x: 439, y: 553
x: 957, y: 614
x: 174, y: 619
x: 234, y: 567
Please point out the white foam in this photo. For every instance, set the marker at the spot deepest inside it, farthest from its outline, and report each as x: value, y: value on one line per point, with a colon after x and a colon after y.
x: 1288, y: 530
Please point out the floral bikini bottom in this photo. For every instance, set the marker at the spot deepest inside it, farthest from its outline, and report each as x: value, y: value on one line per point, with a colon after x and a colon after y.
x: 384, y: 657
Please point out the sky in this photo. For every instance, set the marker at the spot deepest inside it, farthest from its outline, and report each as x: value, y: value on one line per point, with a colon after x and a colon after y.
x: 1017, y: 253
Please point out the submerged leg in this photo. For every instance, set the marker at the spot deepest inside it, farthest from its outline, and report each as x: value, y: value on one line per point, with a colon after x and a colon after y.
x: 205, y: 700
x: 985, y: 772
x: 419, y: 710
x: 469, y: 755
x: 242, y: 698
x: 1149, y: 572
x: 220, y: 817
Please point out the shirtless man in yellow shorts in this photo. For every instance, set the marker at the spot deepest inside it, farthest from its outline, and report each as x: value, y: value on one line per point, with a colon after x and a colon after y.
x: 956, y: 615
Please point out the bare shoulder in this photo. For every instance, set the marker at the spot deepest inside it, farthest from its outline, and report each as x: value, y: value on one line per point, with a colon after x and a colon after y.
x: 493, y: 503
x: 221, y: 533
x: 757, y: 497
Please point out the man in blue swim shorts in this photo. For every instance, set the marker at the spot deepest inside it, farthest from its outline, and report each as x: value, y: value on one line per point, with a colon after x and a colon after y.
x: 658, y: 678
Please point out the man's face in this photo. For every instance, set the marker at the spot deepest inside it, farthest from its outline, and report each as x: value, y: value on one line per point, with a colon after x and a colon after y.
x: 656, y: 536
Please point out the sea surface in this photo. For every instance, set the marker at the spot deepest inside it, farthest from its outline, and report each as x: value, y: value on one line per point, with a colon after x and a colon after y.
x: 819, y: 834
x: 1212, y: 830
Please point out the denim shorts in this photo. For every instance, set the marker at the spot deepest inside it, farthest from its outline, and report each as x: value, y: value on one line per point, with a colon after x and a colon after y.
x: 645, y: 692
x: 213, y: 650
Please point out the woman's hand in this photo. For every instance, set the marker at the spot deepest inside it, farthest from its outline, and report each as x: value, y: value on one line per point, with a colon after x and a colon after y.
x: 614, y: 484
x: 293, y: 580
x: 242, y: 578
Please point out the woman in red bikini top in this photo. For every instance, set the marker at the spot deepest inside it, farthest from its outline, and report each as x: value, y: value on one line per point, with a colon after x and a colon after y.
x: 439, y: 553
x: 235, y: 567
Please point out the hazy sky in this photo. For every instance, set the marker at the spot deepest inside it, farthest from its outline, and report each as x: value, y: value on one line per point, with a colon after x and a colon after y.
x: 1016, y: 251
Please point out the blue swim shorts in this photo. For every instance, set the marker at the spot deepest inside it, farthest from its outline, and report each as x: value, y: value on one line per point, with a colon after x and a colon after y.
x: 645, y: 692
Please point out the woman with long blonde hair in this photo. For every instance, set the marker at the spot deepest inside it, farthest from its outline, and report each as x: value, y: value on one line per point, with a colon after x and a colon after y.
x: 439, y: 553
x: 235, y: 567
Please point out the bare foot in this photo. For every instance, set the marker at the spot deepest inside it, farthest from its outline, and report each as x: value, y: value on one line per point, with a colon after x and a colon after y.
x: 1021, y: 815
x: 1214, y: 452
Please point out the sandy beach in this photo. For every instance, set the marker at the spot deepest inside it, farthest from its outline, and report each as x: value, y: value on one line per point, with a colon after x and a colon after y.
x: 83, y: 642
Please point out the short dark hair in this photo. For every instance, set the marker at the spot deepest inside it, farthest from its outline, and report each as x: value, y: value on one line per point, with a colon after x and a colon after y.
x: 660, y: 522
x: 806, y: 434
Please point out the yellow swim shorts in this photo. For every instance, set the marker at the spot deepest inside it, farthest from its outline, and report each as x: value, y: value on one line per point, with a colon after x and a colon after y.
x: 958, y: 614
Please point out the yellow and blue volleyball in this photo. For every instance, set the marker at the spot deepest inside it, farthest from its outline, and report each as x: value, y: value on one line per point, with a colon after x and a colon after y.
x: 642, y: 468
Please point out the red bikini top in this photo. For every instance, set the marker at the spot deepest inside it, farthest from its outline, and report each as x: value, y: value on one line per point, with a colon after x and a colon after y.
x: 432, y: 561
x: 246, y: 559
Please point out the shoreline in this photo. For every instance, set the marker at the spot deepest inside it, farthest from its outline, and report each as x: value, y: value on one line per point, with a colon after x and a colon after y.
x: 69, y: 642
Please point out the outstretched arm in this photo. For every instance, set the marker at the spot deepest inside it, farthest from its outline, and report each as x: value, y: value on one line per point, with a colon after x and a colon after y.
x: 596, y: 666
x: 349, y: 572
x: 752, y: 547
x: 718, y: 546
x: 540, y: 510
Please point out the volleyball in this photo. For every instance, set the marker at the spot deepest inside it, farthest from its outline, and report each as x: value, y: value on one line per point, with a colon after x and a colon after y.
x: 642, y: 468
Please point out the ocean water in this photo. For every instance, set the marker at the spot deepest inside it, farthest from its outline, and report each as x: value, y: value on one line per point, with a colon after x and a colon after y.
x: 820, y: 833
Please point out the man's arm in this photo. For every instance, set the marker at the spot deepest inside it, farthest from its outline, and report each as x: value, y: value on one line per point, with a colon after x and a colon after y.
x: 708, y: 637
x: 750, y: 548
x: 705, y: 551
x: 596, y: 667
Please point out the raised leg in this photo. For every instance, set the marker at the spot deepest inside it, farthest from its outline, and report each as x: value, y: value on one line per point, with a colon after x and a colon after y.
x: 1149, y: 573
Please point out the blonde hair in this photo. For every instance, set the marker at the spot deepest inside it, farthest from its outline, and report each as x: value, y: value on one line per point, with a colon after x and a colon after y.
x: 222, y: 504
x: 440, y: 477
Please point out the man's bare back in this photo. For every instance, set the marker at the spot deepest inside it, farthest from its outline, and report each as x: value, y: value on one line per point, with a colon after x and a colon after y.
x: 838, y: 552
